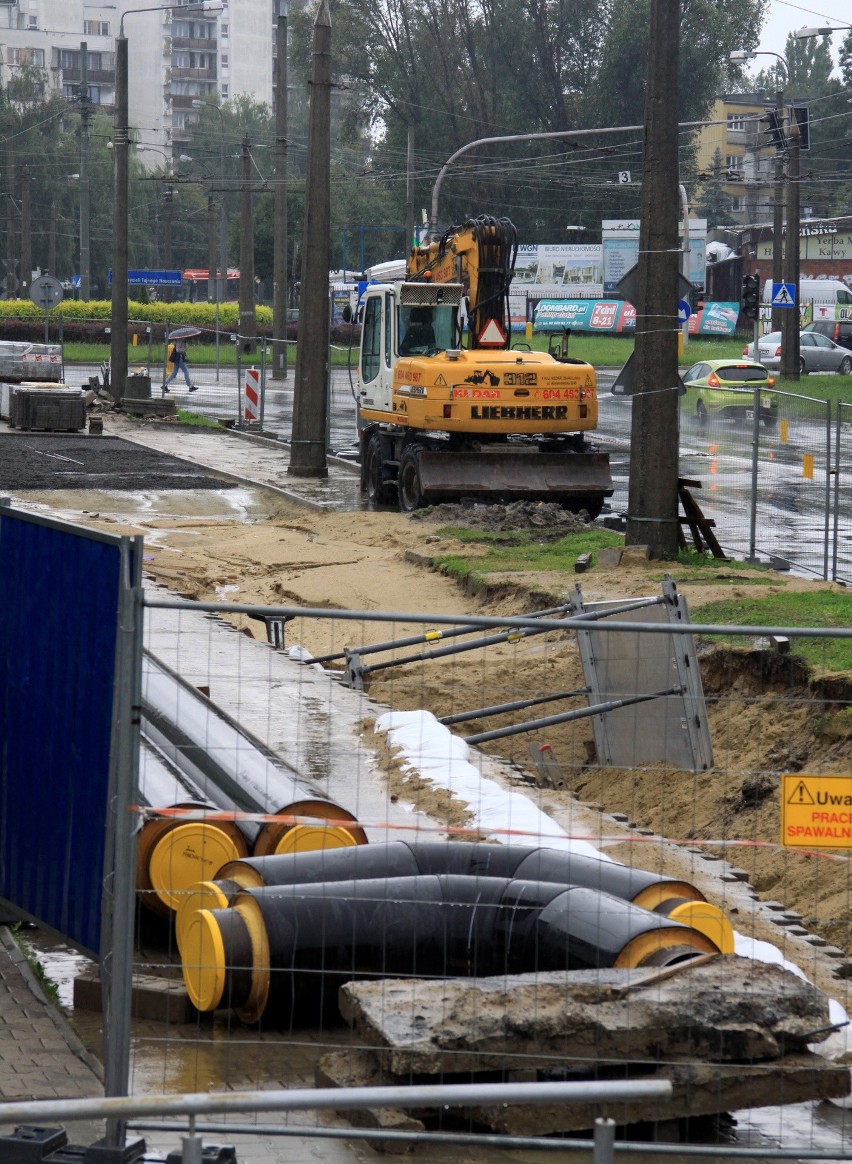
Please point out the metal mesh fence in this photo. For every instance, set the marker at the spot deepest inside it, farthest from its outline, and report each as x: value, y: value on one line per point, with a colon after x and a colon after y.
x: 768, y: 485
x: 478, y: 992
x: 841, y: 562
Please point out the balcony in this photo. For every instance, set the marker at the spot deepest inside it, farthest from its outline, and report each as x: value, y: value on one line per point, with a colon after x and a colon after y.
x: 208, y: 74
x: 195, y: 44
x: 94, y: 76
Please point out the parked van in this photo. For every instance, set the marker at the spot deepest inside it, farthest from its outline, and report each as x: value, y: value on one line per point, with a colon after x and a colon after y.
x: 819, y: 292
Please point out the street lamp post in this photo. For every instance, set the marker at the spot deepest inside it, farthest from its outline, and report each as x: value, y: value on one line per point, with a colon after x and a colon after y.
x: 117, y: 955
x: 820, y: 30
x: 778, y: 197
x: 121, y: 152
x: 222, y: 282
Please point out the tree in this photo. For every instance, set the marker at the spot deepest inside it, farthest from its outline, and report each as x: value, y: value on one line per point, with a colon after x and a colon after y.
x: 457, y: 70
x: 713, y: 203
x: 825, y: 165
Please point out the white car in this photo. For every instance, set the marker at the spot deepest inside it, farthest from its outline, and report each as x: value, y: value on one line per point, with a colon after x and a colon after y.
x: 817, y: 353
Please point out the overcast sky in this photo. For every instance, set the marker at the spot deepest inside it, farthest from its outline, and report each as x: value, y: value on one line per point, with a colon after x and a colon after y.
x: 786, y: 15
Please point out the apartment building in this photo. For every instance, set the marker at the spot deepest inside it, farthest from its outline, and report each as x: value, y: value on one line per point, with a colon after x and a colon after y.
x: 175, y: 58
x: 735, y: 147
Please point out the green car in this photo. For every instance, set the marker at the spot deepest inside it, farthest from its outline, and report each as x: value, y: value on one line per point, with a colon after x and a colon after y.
x: 726, y: 388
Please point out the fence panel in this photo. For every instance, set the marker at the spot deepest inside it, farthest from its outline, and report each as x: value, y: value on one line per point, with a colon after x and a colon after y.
x: 385, y: 757
x: 841, y: 559
x: 768, y: 487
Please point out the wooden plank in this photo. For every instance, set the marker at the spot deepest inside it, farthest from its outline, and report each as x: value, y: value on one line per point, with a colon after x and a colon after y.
x: 727, y: 1008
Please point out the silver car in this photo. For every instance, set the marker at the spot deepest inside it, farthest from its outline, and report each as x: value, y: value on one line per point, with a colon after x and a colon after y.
x: 817, y: 353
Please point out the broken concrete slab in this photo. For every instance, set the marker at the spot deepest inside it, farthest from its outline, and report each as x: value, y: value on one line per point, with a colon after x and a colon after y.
x: 722, y: 1009
x: 609, y: 557
x: 698, y: 1089
x: 356, y: 1069
x: 161, y: 999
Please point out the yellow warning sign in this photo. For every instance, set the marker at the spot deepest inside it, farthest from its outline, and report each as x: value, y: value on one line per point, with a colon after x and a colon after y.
x: 816, y: 811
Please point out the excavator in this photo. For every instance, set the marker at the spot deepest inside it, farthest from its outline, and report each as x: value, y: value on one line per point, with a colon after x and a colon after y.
x: 439, y: 421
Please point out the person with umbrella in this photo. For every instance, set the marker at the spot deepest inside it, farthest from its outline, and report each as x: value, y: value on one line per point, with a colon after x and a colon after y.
x: 177, y: 357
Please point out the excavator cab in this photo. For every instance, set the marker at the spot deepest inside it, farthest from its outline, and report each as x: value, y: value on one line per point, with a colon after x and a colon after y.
x: 424, y: 328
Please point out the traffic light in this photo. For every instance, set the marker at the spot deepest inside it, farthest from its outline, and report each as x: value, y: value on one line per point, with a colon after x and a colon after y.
x: 775, y: 120
x: 803, y: 120
x: 750, y: 299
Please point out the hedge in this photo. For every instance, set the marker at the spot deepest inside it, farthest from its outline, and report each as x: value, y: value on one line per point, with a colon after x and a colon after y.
x: 201, y: 315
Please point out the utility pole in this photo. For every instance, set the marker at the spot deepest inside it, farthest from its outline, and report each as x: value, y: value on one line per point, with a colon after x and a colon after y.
x: 652, y: 517
x: 11, y: 229
x: 51, y: 238
x: 120, y: 257
x: 85, y: 113
x: 310, y: 391
x: 248, y: 316
x: 409, y: 193
x: 212, y: 238
x: 280, y: 294
x: 778, y: 220
x: 790, y: 325
x: 168, y: 255
x: 26, y: 236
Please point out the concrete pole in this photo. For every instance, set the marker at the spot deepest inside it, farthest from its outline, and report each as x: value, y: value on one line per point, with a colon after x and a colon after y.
x: 248, y: 316
x: 778, y: 220
x: 26, y: 236
x: 118, y: 335
x: 11, y: 228
x: 652, y: 518
x: 168, y: 251
x: 51, y: 242
x: 310, y: 392
x: 279, y: 257
x: 409, y: 193
x: 85, y: 194
x: 790, y: 346
x: 212, y: 240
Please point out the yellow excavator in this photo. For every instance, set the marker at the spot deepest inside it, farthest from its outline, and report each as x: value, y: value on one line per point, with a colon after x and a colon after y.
x: 442, y: 422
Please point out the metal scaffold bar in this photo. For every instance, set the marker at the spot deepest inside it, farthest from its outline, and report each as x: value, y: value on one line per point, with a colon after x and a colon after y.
x: 566, y: 717
x: 517, y: 705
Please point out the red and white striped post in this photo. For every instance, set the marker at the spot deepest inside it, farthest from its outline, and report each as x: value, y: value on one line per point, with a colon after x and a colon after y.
x: 251, y: 393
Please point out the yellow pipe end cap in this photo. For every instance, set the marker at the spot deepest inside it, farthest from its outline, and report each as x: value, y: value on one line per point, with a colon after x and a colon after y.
x: 186, y: 855
x: 203, y: 895
x: 302, y: 838
x: 707, y: 919
x: 203, y: 959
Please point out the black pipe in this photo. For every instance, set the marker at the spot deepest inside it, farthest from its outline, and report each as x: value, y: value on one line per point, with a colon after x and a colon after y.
x: 309, y: 939
x: 228, y: 760
x: 466, y: 859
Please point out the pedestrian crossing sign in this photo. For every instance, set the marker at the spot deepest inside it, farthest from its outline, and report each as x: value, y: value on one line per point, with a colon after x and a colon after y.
x: 783, y: 294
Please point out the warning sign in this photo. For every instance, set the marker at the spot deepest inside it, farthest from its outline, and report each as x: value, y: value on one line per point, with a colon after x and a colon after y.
x: 492, y: 335
x: 816, y: 811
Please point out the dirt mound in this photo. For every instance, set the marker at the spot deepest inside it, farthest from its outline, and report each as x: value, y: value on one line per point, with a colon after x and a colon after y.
x: 549, y: 522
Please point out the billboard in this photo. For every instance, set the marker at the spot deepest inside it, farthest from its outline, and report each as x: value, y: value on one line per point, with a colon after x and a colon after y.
x: 612, y: 316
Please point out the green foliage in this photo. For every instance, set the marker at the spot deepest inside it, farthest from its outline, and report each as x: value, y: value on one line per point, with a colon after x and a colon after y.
x: 788, y: 608
x: 522, y: 551
x: 48, y: 986
x: 175, y: 314
x: 713, y: 203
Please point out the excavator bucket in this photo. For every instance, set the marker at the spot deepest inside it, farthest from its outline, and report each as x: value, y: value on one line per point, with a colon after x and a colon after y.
x: 575, y: 480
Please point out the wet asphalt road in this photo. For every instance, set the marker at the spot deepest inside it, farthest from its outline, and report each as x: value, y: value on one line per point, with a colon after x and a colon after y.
x: 38, y: 462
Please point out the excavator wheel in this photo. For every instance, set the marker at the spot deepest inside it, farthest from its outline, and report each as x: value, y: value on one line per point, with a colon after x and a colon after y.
x: 409, y: 484
x: 379, y: 490
x: 593, y: 505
